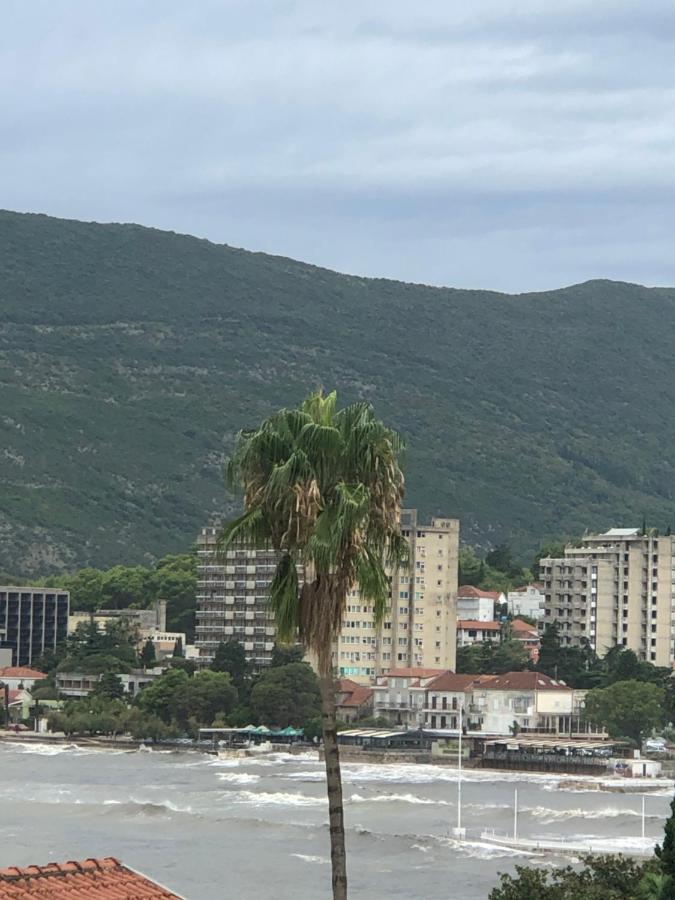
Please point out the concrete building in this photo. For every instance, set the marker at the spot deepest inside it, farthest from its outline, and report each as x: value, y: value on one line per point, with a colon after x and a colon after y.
x: 232, y: 600
x: 80, y: 684
x: 616, y: 588
x: 399, y: 696
x: 19, y: 677
x: 352, y: 701
x: 526, y: 601
x: 419, y: 628
x: 473, y: 632
x: 476, y: 604
x: 146, y: 621
x: 445, y: 696
x: 32, y: 620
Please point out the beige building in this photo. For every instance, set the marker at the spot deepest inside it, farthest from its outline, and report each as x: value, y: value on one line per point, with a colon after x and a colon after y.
x: 420, y: 626
x: 617, y: 588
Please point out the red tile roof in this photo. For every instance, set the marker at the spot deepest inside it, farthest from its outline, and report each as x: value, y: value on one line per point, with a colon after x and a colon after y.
x: 449, y: 681
x: 468, y: 590
x: 20, y: 672
x: 355, y: 695
x: 414, y: 672
x: 522, y: 628
x: 481, y: 626
x: 93, y: 879
x: 524, y: 681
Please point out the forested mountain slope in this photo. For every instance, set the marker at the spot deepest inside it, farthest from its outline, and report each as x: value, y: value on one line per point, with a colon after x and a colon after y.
x: 130, y: 356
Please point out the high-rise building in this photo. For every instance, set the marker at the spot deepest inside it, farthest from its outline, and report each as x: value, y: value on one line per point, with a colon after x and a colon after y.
x: 616, y: 588
x: 420, y: 626
x: 232, y: 599
x: 33, y: 620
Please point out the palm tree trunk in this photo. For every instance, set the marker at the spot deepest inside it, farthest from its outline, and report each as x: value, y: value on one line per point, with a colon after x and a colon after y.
x: 333, y: 778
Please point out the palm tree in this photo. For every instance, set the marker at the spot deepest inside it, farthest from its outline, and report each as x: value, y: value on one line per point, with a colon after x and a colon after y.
x: 324, y: 488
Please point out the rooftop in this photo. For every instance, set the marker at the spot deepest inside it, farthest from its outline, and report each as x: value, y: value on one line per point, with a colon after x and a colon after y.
x: 20, y: 672
x: 449, y: 681
x: 480, y: 626
x: 354, y: 694
x: 524, y: 681
x: 468, y: 590
x: 92, y: 879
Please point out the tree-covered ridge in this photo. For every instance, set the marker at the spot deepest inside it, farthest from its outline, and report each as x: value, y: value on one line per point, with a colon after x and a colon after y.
x: 129, y: 357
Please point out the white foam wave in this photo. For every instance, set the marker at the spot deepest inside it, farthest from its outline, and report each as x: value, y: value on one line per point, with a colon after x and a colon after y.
x: 549, y: 816
x: 319, y: 860
x: 238, y: 777
x: 278, y: 798
x: 398, y: 798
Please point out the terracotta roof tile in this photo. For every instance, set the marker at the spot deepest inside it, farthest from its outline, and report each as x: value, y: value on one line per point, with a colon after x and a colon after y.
x: 20, y: 672
x: 525, y: 681
x: 92, y: 879
x: 480, y: 626
x: 468, y: 590
x: 355, y: 694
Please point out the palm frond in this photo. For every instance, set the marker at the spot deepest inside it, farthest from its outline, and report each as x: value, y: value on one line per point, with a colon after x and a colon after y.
x: 251, y: 527
x: 284, y: 598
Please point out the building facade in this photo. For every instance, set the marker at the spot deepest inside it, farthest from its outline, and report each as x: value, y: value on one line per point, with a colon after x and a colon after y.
x: 399, y: 696
x: 470, y: 632
x: 526, y: 601
x: 476, y: 604
x: 420, y: 626
x: 232, y: 600
x: 615, y: 589
x: 33, y: 620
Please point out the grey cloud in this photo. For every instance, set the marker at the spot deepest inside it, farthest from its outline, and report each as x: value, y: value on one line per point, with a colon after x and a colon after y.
x: 514, y: 146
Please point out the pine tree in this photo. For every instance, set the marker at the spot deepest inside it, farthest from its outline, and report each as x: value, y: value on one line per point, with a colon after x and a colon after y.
x: 666, y: 855
x: 148, y: 655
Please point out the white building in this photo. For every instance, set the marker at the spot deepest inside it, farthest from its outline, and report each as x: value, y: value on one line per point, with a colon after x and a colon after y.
x: 470, y: 631
x: 400, y: 697
x: 476, y: 604
x: 526, y: 601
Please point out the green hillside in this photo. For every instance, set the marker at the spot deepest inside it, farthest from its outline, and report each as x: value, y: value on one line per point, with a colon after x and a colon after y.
x: 129, y: 356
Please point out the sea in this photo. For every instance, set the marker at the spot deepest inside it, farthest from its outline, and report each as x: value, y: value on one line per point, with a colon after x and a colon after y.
x: 257, y: 828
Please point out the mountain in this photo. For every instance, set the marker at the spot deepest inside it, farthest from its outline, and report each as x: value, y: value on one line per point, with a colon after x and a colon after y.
x: 129, y: 357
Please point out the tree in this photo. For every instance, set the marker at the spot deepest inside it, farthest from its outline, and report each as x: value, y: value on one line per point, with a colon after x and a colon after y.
x: 283, y: 654
x: 160, y: 698
x: 471, y: 567
x: 204, y: 696
x: 178, y: 649
x: 148, y: 654
x: 601, y: 878
x: 110, y: 687
x: 626, y: 708
x: 286, y: 695
x: 323, y: 487
x: 665, y: 853
x: 230, y: 656
x: 509, y: 656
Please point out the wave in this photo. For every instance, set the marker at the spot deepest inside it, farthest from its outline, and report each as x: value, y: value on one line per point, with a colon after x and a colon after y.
x: 147, y: 807
x: 238, y: 777
x: 548, y: 816
x: 278, y: 798
x: 398, y: 798
x: 320, y: 860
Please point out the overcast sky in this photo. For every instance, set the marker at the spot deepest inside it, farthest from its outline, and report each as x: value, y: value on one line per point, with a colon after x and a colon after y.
x: 511, y: 145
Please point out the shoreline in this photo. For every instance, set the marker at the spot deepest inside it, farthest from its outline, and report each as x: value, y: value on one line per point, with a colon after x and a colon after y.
x: 565, y: 781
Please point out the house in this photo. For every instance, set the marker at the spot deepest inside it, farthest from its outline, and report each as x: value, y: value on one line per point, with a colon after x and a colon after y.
x: 16, y: 677
x: 474, y: 603
x: 399, y: 696
x: 445, y: 696
x: 472, y: 631
x: 529, y: 637
x: 80, y: 684
x: 352, y: 701
x: 92, y: 878
x: 526, y: 601
x: 524, y: 700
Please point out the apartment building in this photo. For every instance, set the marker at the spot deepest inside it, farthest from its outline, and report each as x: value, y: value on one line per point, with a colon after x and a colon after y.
x: 399, y: 696
x: 419, y: 628
x: 33, y: 620
x: 616, y: 588
x: 526, y: 601
x: 232, y: 600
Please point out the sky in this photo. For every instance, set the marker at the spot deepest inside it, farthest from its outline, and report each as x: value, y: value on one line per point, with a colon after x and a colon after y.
x: 516, y: 146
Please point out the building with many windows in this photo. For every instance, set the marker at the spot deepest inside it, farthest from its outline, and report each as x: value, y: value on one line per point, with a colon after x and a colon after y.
x: 420, y: 625
x: 615, y: 589
x: 232, y: 599
x: 33, y: 620
x: 419, y: 628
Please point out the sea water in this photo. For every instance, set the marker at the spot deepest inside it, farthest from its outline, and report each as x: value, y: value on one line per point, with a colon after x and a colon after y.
x: 257, y: 827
